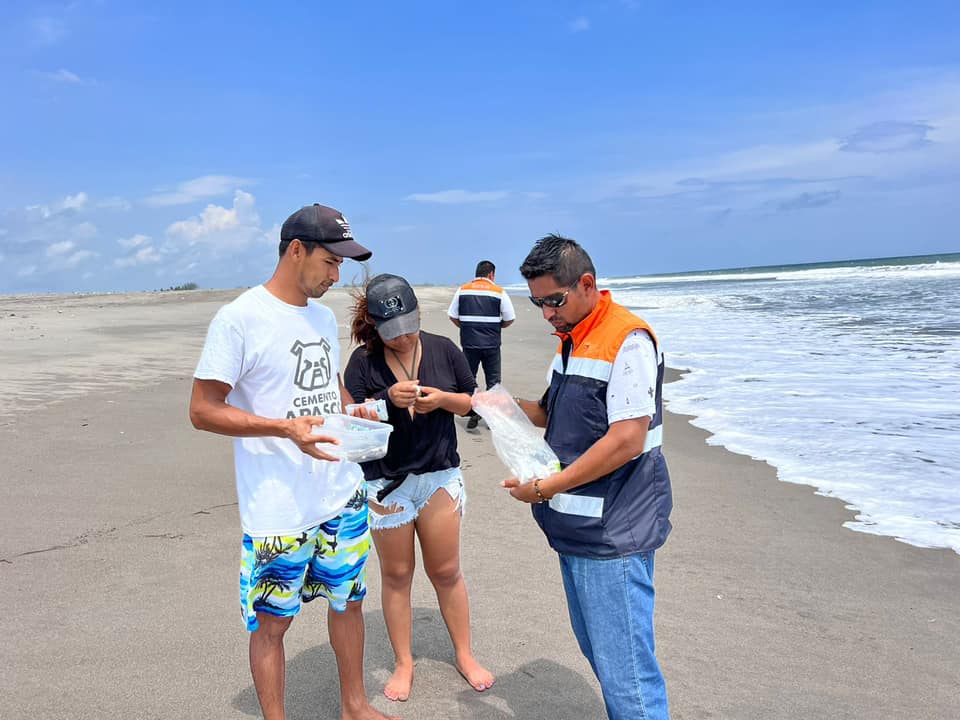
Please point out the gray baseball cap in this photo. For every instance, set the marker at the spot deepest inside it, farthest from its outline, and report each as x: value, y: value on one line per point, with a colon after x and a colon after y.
x: 392, y: 304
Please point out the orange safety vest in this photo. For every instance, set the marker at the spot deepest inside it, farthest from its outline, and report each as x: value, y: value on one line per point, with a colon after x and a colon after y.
x: 628, y: 510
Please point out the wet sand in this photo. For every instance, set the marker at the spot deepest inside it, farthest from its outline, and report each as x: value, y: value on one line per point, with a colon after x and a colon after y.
x: 119, y: 536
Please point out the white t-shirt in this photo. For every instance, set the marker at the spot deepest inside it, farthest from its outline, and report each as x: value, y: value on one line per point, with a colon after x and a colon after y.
x: 631, y: 390
x: 506, y: 308
x: 281, y: 361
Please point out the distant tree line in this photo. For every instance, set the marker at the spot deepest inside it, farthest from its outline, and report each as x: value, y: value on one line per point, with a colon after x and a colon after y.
x: 185, y: 286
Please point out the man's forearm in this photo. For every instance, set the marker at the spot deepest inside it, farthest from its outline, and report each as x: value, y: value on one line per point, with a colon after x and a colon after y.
x: 532, y: 409
x: 228, y: 420
x: 613, y: 450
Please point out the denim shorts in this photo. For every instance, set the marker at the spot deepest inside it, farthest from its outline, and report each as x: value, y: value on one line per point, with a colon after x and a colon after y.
x: 279, y: 573
x: 413, y: 495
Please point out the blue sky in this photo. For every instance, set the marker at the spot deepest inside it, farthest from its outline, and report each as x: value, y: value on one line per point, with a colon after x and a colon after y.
x: 149, y: 145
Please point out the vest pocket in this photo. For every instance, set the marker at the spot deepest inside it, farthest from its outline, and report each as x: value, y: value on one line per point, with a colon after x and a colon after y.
x: 573, y: 522
x: 639, y: 504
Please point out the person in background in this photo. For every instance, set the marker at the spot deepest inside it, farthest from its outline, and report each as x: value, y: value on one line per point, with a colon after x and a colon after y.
x: 416, y: 490
x: 608, y: 509
x: 267, y: 376
x: 481, y: 309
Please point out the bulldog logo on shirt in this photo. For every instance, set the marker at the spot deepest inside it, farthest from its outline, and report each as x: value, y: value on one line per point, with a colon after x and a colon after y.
x: 314, y: 368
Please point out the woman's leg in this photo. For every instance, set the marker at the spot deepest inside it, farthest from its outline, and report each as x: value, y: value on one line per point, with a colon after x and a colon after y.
x: 438, y: 527
x: 397, y: 563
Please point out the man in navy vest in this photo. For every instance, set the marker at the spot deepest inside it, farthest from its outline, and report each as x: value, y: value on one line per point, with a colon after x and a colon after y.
x: 481, y: 309
x: 608, y: 509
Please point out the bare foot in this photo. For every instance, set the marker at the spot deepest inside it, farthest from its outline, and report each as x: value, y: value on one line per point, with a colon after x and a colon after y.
x: 399, y: 684
x: 366, y: 713
x: 474, y: 673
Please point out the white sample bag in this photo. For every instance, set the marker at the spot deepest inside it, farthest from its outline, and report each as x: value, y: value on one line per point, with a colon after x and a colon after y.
x: 518, y: 442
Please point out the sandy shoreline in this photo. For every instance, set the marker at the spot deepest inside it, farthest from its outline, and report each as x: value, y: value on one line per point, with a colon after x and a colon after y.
x: 119, y: 533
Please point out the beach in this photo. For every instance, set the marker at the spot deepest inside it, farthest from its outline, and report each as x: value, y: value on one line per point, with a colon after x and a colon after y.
x: 119, y: 544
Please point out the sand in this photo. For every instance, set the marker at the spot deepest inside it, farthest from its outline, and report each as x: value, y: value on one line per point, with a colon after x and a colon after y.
x: 119, y: 542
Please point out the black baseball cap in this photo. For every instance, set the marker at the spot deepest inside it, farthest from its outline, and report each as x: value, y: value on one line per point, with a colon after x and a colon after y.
x: 392, y: 304
x: 321, y: 224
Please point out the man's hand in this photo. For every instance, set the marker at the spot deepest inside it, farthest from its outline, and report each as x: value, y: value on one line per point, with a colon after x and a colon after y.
x: 300, y: 431
x: 523, y: 493
x: 527, y: 491
x: 430, y: 399
x: 404, y: 394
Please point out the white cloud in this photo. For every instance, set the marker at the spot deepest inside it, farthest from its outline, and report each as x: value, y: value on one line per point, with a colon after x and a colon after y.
x: 51, y: 230
x: 458, y: 197
x: 63, y: 76
x: 888, y: 136
x: 146, y: 255
x: 843, y: 148
x: 135, y: 241
x: 58, y: 249
x: 85, y: 230
x: 70, y: 202
x: 114, y: 202
x: 580, y: 24
x: 214, y: 219
x: 65, y: 255
x: 78, y: 257
x: 196, y: 189
x: 220, y: 227
x: 809, y: 200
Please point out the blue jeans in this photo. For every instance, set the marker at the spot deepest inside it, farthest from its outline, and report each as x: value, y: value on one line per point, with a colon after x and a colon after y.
x: 611, y: 610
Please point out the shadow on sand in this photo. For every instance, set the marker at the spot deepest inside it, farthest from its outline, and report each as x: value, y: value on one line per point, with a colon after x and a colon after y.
x: 538, y: 690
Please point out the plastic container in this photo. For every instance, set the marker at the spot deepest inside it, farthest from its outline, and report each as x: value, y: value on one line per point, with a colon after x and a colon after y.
x: 360, y: 439
x: 378, y: 406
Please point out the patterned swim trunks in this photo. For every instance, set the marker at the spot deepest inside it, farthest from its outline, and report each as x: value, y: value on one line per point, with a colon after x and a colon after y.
x: 280, y: 572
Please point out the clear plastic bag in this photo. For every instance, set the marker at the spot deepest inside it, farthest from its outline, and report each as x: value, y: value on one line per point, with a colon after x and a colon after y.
x: 518, y: 442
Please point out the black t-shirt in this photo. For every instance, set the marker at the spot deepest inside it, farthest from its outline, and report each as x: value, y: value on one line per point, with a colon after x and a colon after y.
x: 423, y: 443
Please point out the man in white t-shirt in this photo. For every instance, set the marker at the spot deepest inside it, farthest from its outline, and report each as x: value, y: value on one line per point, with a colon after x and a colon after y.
x: 268, y: 374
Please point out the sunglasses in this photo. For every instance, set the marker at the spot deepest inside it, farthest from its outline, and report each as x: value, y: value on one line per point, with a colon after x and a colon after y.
x: 557, y: 300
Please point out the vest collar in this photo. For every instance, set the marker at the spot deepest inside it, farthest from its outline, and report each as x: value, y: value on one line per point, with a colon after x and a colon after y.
x: 583, y: 328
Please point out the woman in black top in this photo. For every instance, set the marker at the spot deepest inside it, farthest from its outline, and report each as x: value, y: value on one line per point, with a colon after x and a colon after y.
x: 417, y: 488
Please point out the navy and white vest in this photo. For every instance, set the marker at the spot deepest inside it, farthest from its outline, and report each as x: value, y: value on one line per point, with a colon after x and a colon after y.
x: 627, y: 511
x: 479, y: 313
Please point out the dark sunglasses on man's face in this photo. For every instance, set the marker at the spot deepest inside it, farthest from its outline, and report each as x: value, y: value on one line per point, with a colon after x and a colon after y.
x: 557, y: 300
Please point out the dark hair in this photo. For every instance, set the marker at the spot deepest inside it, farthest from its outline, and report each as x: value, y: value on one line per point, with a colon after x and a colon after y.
x: 560, y: 257
x: 484, y: 268
x: 362, y: 328
x: 308, y: 245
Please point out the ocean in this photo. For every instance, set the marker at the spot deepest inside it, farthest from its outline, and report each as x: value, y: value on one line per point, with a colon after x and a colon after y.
x: 844, y: 376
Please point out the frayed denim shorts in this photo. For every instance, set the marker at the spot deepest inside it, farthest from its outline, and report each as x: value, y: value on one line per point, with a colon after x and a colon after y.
x: 413, y: 495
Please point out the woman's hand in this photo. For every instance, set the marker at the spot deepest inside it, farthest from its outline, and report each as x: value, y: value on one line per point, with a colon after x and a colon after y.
x: 430, y: 399
x: 404, y: 394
